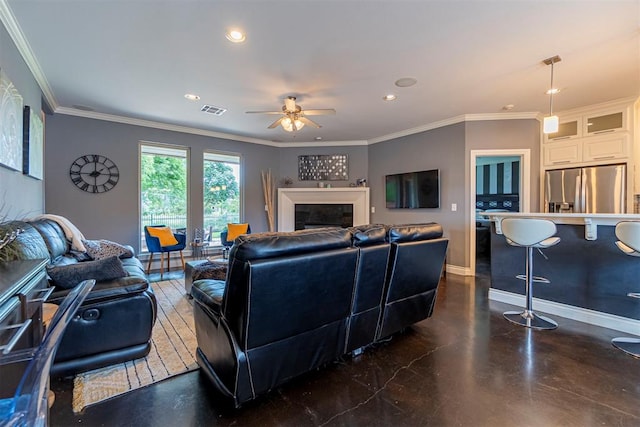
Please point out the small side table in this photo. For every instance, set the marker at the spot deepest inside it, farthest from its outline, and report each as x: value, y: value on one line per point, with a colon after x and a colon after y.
x: 197, y: 249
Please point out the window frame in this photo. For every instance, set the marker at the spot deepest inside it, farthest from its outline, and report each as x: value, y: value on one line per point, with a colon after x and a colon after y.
x: 222, y: 153
x: 159, y: 147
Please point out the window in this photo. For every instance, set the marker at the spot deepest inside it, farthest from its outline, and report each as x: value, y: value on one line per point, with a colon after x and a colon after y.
x: 221, y: 193
x: 163, y: 188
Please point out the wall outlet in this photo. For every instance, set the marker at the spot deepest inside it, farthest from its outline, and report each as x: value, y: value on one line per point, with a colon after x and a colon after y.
x: 454, y: 207
x: 373, y: 209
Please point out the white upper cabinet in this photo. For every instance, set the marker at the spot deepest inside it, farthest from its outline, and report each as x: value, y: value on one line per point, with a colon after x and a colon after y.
x: 609, y: 122
x: 567, y: 129
x: 590, y: 136
x: 592, y: 122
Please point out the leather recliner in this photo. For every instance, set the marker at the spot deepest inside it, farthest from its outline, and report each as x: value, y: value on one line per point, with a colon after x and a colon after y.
x: 115, y: 321
x: 295, y: 301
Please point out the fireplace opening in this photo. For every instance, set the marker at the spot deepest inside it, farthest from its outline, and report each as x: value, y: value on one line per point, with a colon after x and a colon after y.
x: 323, y: 215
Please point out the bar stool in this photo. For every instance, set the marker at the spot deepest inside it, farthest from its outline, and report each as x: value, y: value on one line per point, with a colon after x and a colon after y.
x: 628, y: 233
x: 530, y: 233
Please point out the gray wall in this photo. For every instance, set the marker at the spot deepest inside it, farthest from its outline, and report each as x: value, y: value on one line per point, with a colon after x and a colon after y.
x: 20, y: 195
x: 114, y: 215
x: 448, y: 149
x: 358, y: 163
x: 442, y: 148
x: 497, y: 135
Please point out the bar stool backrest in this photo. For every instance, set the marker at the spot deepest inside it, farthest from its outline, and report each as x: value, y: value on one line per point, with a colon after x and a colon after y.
x: 527, y: 231
x: 628, y: 232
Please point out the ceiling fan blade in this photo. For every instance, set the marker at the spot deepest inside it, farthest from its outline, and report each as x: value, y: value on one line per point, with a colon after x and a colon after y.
x: 321, y: 112
x: 276, y: 123
x: 263, y: 112
x: 309, y: 122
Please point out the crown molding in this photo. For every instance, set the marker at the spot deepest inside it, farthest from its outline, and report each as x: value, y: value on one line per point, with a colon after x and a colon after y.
x: 16, y: 34
x: 196, y: 131
x: 454, y: 120
x: 159, y: 125
x: 222, y: 135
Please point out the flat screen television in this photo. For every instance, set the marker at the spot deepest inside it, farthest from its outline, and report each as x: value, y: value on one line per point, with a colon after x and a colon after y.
x: 413, y: 190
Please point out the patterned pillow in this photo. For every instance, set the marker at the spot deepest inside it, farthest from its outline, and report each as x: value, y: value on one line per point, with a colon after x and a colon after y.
x: 100, y: 249
x: 68, y: 276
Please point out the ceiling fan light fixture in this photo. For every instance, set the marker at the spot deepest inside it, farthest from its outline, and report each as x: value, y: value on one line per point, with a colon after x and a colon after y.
x: 236, y: 36
x: 287, y: 124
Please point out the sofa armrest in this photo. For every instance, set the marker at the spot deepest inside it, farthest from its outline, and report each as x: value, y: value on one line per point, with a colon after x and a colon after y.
x: 208, y: 293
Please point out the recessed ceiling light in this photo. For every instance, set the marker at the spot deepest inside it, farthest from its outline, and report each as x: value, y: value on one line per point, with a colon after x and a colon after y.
x: 236, y: 36
x: 390, y: 97
x: 552, y: 91
x: 191, y: 97
x: 508, y: 107
x: 318, y: 138
x: 406, y: 82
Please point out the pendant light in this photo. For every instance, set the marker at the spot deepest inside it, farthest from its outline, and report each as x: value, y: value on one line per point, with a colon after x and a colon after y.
x: 551, y: 123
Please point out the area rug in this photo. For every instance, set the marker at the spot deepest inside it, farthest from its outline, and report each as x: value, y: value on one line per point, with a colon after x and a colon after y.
x: 172, y: 352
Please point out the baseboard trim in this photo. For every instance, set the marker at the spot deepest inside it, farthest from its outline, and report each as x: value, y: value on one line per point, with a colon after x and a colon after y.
x: 585, y: 315
x: 458, y: 270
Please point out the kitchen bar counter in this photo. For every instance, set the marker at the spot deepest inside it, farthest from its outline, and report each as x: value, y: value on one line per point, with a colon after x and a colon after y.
x: 590, y: 277
x: 589, y: 221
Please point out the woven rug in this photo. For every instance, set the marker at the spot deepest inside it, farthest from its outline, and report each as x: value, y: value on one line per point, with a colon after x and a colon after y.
x: 172, y: 352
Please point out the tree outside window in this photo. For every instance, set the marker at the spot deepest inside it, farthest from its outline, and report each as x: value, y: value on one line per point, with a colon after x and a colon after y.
x: 221, y: 193
x: 163, y: 188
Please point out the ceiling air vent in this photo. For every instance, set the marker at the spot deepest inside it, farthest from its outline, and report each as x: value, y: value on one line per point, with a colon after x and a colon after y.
x: 213, y: 110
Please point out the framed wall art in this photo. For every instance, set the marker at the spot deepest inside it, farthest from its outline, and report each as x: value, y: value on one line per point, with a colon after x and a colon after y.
x: 33, y: 144
x: 323, y: 167
x: 10, y: 124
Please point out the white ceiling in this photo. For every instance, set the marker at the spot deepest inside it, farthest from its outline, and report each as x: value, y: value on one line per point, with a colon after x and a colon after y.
x: 137, y: 59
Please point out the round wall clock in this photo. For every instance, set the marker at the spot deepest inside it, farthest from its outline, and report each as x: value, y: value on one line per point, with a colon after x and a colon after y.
x: 94, y: 173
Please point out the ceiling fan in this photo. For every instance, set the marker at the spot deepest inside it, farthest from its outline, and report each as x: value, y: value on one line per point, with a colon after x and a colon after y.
x: 293, y: 116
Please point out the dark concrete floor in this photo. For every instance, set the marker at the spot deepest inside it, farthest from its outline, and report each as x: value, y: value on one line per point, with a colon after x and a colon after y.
x: 465, y: 366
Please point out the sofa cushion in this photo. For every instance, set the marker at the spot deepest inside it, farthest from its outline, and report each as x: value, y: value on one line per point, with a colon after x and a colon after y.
x: 164, y: 234
x: 28, y: 245
x: 68, y: 276
x: 414, y: 232
x: 367, y: 235
x: 269, y: 245
x: 100, y: 249
x: 53, y: 236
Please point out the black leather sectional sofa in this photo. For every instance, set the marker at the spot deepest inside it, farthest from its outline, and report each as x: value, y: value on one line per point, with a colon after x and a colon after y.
x: 115, y: 321
x: 295, y: 301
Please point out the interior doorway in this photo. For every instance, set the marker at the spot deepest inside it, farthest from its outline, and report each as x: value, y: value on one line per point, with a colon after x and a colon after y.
x: 500, y: 181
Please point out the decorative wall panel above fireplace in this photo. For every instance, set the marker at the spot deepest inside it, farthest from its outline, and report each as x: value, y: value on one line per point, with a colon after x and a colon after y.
x: 323, y: 167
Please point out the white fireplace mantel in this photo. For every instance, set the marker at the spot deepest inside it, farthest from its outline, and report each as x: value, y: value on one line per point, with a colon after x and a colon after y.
x: 288, y: 197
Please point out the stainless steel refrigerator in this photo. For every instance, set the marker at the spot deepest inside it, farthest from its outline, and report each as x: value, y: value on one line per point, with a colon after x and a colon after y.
x: 597, y: 189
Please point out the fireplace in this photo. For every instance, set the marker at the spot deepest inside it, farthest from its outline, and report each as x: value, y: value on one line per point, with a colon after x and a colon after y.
x: 357, y: 198
x: 317, y: 215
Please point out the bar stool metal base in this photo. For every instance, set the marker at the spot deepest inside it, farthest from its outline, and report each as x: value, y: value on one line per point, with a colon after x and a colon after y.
x: 628, y: 345
x: 536, y: 279
x: 530, y: 319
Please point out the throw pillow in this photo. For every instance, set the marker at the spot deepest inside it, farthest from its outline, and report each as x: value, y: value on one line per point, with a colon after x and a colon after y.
x: 235, y: 230
x: 164, y: 234
x: 69, y: 276
x: 100, y: 249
